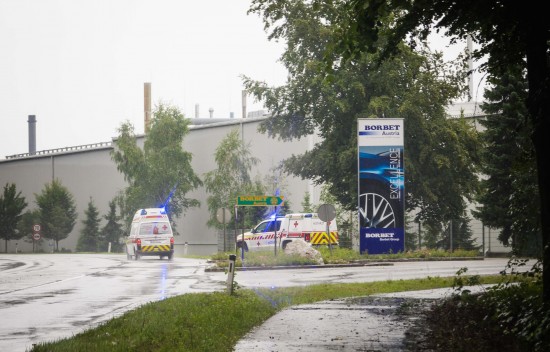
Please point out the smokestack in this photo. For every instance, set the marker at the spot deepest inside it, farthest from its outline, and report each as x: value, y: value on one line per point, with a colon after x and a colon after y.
x: 231, y: 115
x: 244, y: 104
x: 211, y: 111
x: 147, y: 105
x: 32, y: 134
x: 196, y: 111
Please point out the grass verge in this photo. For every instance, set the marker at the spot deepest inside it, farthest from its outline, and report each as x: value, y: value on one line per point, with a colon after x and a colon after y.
x: 216, y: 321
x: 336, y: 256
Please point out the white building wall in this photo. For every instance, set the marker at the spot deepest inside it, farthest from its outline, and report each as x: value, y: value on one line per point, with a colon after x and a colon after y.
x: 92, y: 173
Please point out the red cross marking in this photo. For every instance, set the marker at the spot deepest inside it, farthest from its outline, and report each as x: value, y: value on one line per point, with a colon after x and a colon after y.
x: 296, y: 224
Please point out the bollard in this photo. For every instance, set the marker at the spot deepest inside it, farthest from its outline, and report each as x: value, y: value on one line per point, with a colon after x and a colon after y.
x: 231, y: 273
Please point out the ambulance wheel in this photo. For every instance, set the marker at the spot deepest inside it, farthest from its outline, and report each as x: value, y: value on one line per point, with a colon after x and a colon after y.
x: 170, y: 256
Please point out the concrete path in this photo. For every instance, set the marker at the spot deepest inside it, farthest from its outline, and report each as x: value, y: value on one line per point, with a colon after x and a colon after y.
x: 374, y: 323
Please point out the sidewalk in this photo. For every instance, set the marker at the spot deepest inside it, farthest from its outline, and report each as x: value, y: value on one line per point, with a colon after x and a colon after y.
x: 373, y: 323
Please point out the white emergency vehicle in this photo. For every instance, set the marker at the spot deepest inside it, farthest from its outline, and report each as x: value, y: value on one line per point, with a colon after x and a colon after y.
x: 305, y: 226
x: 150, y: 234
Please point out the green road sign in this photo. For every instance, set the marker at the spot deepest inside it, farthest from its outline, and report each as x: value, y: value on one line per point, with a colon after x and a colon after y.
x: 260, y: 201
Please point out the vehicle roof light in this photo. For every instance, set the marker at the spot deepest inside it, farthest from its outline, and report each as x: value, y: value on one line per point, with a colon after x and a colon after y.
x: 143, y: 212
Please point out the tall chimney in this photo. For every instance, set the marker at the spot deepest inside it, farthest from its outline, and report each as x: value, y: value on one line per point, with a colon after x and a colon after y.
x: 244, y: 104
x: 32, y: 134
x: 211, y: 111
x: 197, y: 111
x: 147, y: 105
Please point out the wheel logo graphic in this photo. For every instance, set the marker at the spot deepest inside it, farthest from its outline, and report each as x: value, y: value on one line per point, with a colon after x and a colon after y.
x: 376, y: 211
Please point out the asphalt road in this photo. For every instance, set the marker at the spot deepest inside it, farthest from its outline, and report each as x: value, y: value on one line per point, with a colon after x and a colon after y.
x: 44, y: 297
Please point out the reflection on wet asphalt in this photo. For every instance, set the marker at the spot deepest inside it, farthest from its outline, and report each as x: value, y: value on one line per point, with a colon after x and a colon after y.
x: 47, y: 297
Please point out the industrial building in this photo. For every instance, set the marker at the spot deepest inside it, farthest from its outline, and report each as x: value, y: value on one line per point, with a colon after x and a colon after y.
x: 88, y: 172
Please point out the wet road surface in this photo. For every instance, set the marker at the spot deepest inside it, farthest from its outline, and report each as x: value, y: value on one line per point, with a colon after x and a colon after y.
x: 47, y: 297
x: 44, y: 297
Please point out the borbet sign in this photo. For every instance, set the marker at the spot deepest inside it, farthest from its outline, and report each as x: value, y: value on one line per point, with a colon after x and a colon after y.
x: 381, y: 180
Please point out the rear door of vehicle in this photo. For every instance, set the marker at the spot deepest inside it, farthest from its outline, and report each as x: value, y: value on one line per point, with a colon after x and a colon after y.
x: 155, y: 236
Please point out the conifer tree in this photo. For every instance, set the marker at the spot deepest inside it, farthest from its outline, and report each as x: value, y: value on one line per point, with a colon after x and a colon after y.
x: 89, y: 237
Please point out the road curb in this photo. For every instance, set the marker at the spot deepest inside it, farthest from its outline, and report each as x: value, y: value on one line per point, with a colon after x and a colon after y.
x: 381, y: 262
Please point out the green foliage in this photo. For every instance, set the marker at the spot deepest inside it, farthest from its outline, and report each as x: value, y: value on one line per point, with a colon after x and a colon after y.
x: 216, y: 321
x: 12, y: 205
x: 509, y: 316
x: 307, y: 207
x: 509, y: 197
x: 509, y: 34
x: 232, y: 176
x: 112, y: 231
x: 190, y: 322
x: 441, y: 153
x: 338, y: 255
x: 457, y: 235
x: 160, y: 174
x: 89, y: 239
x: 25, y: 226
x: 57, y: 211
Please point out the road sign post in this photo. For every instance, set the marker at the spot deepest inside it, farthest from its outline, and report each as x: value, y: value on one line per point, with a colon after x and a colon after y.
x: 327, y: 213
x: 223, y: 215
x: 260, y: 201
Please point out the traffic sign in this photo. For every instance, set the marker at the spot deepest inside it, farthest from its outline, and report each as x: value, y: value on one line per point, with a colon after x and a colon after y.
x: 36, y: 228
x: 36, y: 236
x: 260, y: 201
x: 326, y: 212
x: 223, y: 215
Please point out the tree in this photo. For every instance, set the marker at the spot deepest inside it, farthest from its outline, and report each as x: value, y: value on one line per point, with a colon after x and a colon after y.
x: 231, y: 178
x: 89, y: 239
x: 509, y: 198
x: 307, y: 207
x: 160, y: 174
x: 112, y: 231
x: 508, y: 32
x: 57, y: 211
x: 25, y: 226
x: 11, y: 209
x: 457, y: 235
x: 440, y: 154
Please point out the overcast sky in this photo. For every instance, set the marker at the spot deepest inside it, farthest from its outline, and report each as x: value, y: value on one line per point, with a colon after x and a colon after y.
x: 80, y: 65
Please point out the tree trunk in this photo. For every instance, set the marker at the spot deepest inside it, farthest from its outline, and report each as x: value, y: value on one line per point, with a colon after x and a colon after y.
x: 538, y: 75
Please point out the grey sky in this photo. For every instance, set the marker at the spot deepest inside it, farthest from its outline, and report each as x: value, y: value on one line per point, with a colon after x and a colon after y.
x: 80, y: 66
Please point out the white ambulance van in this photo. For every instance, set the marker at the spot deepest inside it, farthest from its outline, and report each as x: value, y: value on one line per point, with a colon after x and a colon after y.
x: 305, y: 226
x: 150, y: 235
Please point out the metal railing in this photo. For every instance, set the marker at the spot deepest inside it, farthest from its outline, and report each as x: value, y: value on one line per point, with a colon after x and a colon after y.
x: 61, y: 150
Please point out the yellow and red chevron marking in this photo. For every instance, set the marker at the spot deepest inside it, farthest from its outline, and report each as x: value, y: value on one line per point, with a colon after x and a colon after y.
x: 156, y: 248
x: 322, y: 238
